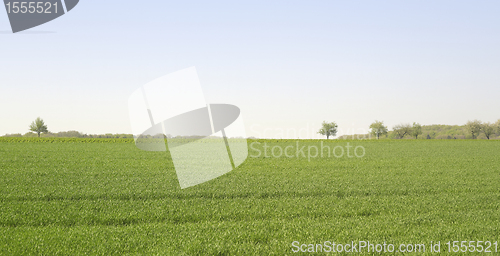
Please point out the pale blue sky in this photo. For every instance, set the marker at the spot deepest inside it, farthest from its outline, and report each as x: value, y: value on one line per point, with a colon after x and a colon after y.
x: 286, y: 64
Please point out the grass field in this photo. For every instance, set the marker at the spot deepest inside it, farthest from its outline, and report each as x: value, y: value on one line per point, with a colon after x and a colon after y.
x: 73, y: 198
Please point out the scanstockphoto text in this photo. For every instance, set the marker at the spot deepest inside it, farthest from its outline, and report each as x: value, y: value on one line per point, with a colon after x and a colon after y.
x: 467, y: 246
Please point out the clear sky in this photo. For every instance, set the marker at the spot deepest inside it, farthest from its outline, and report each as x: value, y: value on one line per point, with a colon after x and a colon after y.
x: 286, y: 64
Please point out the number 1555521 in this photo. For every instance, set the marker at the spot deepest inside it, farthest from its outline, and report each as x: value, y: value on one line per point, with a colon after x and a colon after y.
x: 31, y: 7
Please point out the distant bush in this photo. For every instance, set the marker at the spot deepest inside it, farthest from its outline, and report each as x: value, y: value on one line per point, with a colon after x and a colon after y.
x: 72, y: 134
x: 64, y: 140
x: 30, y: 134
x: 13, y: 135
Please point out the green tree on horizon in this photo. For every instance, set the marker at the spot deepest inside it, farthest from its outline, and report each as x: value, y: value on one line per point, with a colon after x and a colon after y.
x: 473, y: 127
x: 328, y: 129
x: 378, y: 128
x: 401, y: 130
x: 38, y: 126
x: 416, y: 130
x: 488, y: 129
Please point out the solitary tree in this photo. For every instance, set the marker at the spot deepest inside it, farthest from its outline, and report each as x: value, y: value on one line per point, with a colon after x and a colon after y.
x: 488, y: 129
x: 473, y: 127
x: 378, y: 128
x: 38, y: 126
x: 328, y: 129
x: 416, y: 130
x: 402, y: 129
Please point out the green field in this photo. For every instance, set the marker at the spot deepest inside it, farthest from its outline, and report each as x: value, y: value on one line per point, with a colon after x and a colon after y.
x: 68, y: 197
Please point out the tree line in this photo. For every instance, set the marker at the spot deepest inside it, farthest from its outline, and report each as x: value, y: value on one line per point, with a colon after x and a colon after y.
x: 38, y: 128
x: 471, y: 130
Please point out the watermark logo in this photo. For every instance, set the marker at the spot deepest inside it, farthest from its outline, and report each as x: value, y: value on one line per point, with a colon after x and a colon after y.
x: 28, y: 14
x: 297, y: 150
x: 205, y: 141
